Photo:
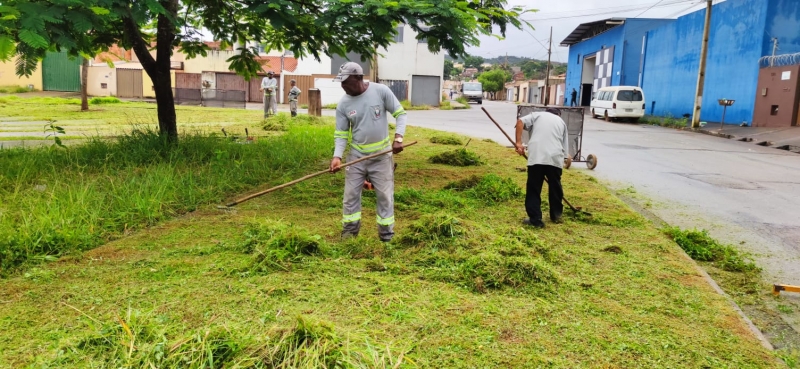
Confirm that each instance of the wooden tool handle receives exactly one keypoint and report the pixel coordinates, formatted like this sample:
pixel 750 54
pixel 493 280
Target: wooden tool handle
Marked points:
pixel 312 175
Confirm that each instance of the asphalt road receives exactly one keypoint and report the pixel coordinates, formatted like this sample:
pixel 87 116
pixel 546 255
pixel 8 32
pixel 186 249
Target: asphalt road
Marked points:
pixel 744 194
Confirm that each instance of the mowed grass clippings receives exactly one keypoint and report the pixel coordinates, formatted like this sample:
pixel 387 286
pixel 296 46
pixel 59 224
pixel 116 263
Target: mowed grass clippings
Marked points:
pixel 463 284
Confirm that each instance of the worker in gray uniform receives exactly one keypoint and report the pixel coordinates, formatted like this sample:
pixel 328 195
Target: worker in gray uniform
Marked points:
pixel 269 85
pixel 361 116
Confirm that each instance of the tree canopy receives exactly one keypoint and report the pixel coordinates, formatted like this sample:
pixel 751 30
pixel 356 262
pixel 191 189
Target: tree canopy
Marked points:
pixel 471 61
pixel 493 80
pixel 28 28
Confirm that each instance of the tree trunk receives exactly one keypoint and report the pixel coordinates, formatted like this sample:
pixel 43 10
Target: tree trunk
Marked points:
pixel 167 121
pixel 84 85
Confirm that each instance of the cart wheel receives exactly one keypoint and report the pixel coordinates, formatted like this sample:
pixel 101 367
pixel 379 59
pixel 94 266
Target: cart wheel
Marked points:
pixel 567 163
pixel 591 161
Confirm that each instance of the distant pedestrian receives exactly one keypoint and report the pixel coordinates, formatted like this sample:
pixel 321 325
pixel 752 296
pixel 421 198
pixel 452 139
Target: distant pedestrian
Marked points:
pixel 269 85
pixel 293 94
pixel 547 147
pixel 574 98
pixel 451 94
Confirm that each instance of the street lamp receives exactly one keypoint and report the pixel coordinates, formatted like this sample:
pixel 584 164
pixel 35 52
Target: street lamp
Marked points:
pixel 725 103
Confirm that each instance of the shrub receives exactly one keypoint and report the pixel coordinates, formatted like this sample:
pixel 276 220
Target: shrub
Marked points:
pixel 459 158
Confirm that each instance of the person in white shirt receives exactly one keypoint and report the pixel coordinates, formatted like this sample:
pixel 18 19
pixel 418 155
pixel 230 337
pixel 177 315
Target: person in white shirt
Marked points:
pixel 269 85
pixel 547 148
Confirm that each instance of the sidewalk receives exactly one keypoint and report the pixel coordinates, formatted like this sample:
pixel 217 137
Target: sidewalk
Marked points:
pixel 785 138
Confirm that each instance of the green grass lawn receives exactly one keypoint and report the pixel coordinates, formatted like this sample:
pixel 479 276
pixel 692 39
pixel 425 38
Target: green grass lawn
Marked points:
pixel 142 270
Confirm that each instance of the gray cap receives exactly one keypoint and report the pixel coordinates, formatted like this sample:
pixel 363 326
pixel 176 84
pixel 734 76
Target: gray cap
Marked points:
pixel 270 73
pixel 348 69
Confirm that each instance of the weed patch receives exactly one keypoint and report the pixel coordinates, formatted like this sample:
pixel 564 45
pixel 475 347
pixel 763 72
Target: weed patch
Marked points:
pixel 408 106
pixel 445 105
pixel 463 100
pixel 446 140
pixel 701 247
pixel 459 158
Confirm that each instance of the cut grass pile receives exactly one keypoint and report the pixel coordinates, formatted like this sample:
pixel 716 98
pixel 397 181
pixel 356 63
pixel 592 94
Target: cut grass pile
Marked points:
pixel 447 140
pixel 104 100
pixel 458 158
pixel 463 285
pixel 282 121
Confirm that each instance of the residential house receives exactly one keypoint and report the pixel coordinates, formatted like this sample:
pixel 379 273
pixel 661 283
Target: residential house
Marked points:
pixel 56 72
pixel 469 73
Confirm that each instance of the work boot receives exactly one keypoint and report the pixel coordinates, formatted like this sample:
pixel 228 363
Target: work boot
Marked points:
pixel 537 224
pixel 386 239
pixel 347 235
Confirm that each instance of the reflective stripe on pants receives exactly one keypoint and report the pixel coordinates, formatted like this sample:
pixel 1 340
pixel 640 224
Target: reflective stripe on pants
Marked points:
pixel 380 172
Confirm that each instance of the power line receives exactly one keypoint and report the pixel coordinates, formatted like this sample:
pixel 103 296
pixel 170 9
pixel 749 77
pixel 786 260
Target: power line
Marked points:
pixel 651 7
pixel 608 11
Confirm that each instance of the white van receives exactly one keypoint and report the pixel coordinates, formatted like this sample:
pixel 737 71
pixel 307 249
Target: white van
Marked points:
pixel 619 102
pixel 473 91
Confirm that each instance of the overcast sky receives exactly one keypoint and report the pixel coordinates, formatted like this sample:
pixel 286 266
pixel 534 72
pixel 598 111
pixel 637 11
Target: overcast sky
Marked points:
pixel 565 15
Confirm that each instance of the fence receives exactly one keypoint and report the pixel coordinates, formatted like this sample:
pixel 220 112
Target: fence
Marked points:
pixel 211 97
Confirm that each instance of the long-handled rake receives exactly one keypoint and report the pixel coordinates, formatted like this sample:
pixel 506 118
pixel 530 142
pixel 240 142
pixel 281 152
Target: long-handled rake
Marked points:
pixel 312 175
pixel 573 208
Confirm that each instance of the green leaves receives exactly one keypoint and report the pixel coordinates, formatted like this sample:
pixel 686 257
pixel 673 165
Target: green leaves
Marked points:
pixel 33 39
pixel 100 11
pixel 7 48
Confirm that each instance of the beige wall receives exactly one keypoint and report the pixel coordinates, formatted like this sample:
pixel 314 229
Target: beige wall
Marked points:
pixel 100 73
pixel 8 77
pixel 214 62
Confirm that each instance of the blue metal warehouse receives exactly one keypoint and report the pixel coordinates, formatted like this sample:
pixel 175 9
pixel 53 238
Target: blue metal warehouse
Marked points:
pixel 742 31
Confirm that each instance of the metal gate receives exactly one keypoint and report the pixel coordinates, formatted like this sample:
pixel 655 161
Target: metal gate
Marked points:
pixel 60 73
pixel 255 86
pixel 233 82
pixel 129 83
pixel 425 90
pixel 399 88
pixel 188 88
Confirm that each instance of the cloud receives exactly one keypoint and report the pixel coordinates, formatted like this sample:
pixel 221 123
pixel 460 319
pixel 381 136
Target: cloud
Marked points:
pixel 564 16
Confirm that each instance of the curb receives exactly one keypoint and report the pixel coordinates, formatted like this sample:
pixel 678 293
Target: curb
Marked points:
pixel 658 221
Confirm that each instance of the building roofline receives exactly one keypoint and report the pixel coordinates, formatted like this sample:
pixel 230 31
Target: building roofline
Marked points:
pixel 591 29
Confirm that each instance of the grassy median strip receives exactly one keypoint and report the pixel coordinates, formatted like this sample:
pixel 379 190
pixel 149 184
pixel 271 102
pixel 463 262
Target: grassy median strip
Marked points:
pixel 270 284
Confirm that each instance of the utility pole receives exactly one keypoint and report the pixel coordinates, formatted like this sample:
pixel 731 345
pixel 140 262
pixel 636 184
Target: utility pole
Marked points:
pixel 774 51
pixel 547 75
pixel 701 75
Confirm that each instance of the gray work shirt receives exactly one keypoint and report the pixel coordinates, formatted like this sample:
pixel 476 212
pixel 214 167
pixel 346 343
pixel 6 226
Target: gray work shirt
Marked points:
pixel 549 139
pixel 363 119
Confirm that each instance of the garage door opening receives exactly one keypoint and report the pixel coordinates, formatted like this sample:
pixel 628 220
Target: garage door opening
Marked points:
pixel 587 80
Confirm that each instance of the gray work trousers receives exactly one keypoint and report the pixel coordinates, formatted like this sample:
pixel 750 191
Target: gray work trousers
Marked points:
pixel 293 106
pixel 270 103
pixel 380 172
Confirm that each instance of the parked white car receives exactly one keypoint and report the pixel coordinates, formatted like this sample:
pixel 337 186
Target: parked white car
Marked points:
pixel 625 102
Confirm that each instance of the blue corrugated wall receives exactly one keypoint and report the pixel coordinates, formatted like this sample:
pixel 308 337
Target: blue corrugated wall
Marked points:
pixel 627 41
pixel 738 39
pixel 635 29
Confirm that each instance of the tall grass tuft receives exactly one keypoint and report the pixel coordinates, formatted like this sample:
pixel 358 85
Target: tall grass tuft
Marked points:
pixel 53 202
pixel 700 246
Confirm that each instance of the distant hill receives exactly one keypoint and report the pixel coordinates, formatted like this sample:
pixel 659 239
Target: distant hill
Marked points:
pixel 512 60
